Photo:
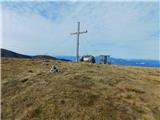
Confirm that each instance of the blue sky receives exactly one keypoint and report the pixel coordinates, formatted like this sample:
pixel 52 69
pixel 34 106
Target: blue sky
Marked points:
pixel 121 29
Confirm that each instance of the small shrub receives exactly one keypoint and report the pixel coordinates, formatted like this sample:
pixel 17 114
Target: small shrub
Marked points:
pixel 36 113
pixel 30 71
pixel 24 80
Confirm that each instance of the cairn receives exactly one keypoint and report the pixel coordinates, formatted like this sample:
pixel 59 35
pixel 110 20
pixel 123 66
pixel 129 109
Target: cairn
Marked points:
pixel 54 69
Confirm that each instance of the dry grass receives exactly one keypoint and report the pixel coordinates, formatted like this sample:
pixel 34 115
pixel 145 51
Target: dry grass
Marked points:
pixel 80 91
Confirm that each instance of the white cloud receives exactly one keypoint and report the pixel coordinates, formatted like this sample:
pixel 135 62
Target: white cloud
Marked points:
pixel 34 34
pixel 122 29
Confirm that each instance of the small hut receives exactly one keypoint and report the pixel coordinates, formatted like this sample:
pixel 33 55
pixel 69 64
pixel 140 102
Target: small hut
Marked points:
pixel 88 58
pixel 105 59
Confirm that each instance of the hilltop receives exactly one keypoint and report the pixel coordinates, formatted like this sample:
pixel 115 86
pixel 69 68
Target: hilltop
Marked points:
pixel 11 54
pixel 8 53
pixel 80 91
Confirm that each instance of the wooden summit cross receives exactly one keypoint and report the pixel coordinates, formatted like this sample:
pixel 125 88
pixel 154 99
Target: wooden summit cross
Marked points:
pixel 78 33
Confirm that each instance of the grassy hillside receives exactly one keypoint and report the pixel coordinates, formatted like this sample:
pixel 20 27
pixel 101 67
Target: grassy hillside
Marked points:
pixel 80 91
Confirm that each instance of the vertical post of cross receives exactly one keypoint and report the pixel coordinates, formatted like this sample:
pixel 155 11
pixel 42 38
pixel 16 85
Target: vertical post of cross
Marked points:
pixel 77 52
pixel 77 47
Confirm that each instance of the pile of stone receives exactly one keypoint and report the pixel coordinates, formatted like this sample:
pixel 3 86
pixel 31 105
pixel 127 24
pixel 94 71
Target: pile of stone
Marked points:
pixel 54 69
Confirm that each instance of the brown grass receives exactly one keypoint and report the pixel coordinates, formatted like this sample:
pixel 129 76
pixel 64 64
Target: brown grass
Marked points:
pixel 81 91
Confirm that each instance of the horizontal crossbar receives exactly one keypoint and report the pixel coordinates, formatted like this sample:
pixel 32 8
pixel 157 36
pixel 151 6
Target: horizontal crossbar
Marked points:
pixel 79 32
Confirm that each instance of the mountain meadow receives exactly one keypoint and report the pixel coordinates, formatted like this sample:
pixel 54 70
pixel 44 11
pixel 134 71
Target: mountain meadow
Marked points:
pixel 79 91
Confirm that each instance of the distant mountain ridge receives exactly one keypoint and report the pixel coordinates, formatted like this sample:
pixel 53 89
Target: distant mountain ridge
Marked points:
pixel 120 61
pixel 44 57
pixel 8 53
pixel 117 61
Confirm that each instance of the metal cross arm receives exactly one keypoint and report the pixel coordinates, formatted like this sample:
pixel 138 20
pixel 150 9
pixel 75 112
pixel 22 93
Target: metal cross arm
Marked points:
pixel 79 32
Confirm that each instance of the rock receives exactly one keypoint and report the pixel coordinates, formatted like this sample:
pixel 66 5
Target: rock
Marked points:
pixel 88 58
pixel 54 69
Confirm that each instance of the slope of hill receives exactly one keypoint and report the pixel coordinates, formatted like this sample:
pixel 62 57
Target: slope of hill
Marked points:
pixel 44 57
pixel 11 54
pixel 80 91
pixel 8 53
